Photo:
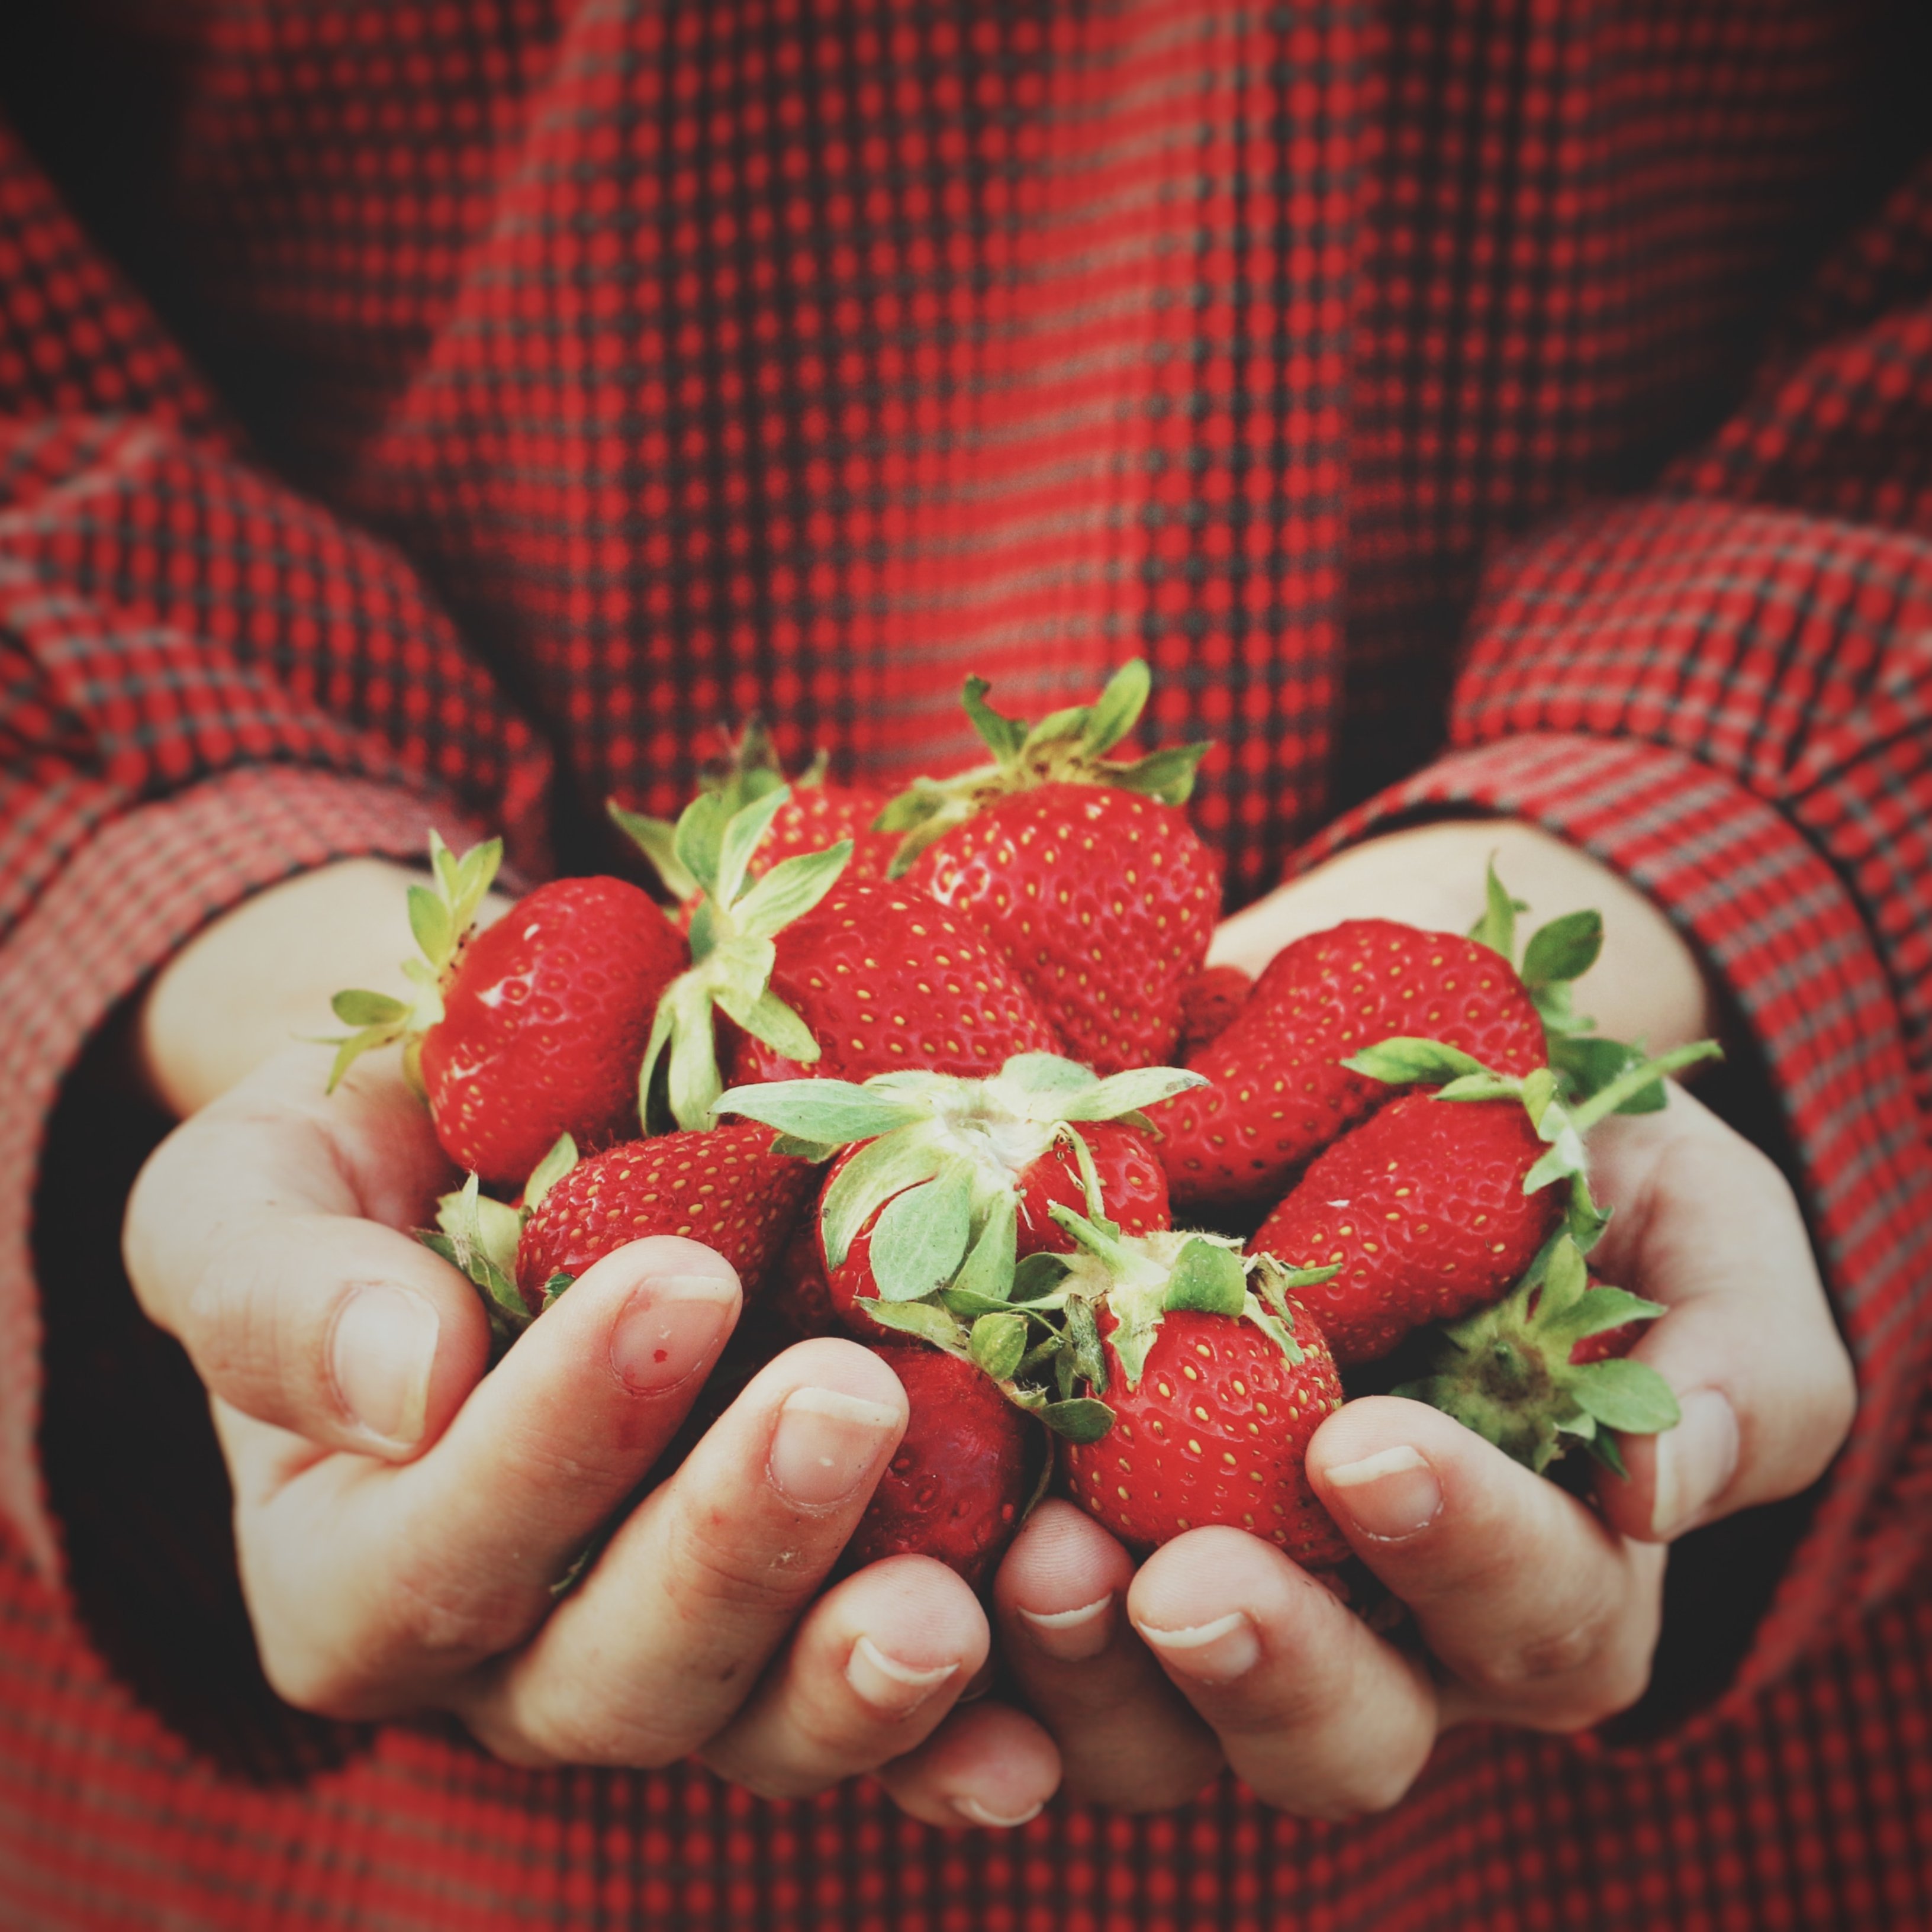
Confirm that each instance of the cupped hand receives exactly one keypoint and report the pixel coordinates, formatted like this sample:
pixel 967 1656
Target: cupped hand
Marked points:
pixel 1528 1607
pixel 402 1517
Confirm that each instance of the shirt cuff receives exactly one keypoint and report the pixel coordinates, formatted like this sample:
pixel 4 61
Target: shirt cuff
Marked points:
pixel 1775 923
pixel 141 887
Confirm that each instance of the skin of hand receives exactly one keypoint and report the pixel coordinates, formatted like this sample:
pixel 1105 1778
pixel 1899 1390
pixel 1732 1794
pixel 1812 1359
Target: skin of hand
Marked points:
pixel 1536 1610
pixel 401 1516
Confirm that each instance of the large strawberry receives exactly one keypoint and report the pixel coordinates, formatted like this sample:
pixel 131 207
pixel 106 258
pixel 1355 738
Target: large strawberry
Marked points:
pixel 1437 1204
pixel 815 975
pixel 1545 1369
pixel 949 1182
pixel 1083 868
pixel 958 1484
pixel 1216 1380
pixel 817 814
pixel 1277 1091
pixel 724 1187
pixel 530 1028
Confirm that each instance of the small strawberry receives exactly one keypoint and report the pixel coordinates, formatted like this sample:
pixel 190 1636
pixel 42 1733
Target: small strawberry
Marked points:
pixel 1438 1203
pixel 817 815
pixel 1216 1380
pixel 1277 1091
pixel 815 975
pixel 1544 1369
pixel 957 1485
pixel 949 1182
pixel 1083 869
pixel 531 1028
pixel 723 1186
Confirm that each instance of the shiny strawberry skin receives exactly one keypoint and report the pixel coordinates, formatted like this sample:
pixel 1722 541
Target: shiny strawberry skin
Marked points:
pixel 723 1187
pixel 1105 901
pixel 545 1017
pixel 886 979
pixel 1216 1431
pixel 957 1483
pixel 1132 1184
pixel 1277 1093
pixel 1423 1210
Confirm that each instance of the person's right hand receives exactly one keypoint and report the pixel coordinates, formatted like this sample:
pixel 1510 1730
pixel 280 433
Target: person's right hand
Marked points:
pixel 401 1517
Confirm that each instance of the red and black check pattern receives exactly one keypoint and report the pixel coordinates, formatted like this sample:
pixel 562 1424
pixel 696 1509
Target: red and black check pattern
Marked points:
pixel 447 407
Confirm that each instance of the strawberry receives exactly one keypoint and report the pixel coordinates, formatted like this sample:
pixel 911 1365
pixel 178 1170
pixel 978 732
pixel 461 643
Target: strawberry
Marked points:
pixel 815 816
pixel 948 1183
pixel 531 1028
pixel 957 1485
pixel 1083 869
pixel 1215 1387
pixel 724 1187
pixel 816 975
pixel 1277 1091
pixel 1545 1369
pixel 1436 1204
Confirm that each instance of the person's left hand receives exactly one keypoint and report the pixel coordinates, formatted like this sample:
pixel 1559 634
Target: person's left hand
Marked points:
pixel 1534 1609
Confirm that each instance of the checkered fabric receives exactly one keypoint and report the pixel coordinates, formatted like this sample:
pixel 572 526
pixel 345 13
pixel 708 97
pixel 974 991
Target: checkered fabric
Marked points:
pixel 418 410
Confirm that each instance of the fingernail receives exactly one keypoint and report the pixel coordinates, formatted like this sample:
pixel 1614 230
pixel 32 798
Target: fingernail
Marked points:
pixel 827 1444
pixel 1072 1635
pixel 1216 1653
pixel 974 1813
pixel 888 1685
pixel 1695 1461
pixel 664 1334
pixel 380 1355
pixel 1391 1494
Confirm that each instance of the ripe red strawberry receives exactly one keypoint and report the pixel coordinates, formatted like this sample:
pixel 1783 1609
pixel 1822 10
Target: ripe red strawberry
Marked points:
pixel 798 1293
pixel 1215 1387
pixel 1083 869
pixel 1278 1092
pixel 532 1028
pixel 1611 1346
pixel 884 979
pixel 948 1183
pixel 1422 1210
pixel 958 1484
pixel 724 1187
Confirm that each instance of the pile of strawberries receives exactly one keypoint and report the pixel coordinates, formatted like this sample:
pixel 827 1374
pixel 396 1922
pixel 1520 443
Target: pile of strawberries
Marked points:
pixel 912 1067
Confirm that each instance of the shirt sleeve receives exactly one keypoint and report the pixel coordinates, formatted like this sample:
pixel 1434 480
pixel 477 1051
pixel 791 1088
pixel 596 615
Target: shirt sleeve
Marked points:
pixel 207 683
pixel 1724 690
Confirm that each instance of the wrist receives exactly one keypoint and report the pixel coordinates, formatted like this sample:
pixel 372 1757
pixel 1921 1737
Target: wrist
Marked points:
pixel 263 974
pixel 1649 984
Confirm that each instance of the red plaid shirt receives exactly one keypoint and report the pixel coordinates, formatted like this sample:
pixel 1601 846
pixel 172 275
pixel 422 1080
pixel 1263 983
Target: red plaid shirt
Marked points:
pixel 411 409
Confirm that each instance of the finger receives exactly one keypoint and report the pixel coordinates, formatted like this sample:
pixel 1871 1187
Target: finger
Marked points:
pixel 1317 1713
pixel 665 1640
pixel 875 1665
pixel 265 1234
pixel 373 1585
pixel 1533 1603
pixel 1127 1739
pixel 1705 1223
pixel 988 1766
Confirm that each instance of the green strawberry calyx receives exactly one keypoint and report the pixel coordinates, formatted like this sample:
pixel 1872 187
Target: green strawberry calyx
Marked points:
pixel 478 1236
pixel 1556 956
pixel 1506 1372
pixel 750 771
pixel 1559 1120
pixel 942 1158
pixel 442 916
pixel 1068 746
pixel 1142 1280
pixel 732 953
